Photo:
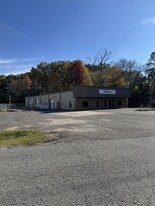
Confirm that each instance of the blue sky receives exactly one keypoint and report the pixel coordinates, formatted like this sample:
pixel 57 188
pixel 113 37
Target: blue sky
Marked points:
pixel 32 31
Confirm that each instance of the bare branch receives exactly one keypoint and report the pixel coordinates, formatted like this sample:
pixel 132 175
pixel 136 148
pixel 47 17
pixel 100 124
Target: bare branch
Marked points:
pixel 100 59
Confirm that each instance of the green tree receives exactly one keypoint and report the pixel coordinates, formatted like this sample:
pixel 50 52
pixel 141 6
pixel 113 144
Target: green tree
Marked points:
pixel 135 79
pixel 150 72
pixel 3 89
pixel 17 89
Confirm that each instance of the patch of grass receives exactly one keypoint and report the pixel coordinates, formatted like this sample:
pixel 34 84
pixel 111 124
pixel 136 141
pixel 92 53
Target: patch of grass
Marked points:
pixel 21 138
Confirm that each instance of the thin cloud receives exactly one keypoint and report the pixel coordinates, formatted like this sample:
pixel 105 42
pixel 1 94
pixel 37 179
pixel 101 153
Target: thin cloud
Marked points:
pixel 18 65
pixel 17 60
pixel 147 21
pixel 29 59
pixel 6 61
pixel 15 69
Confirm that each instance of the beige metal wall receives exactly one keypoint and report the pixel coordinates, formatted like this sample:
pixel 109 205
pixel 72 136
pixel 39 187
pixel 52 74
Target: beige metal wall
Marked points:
pixel 55 96
pixel 26 102
pixel 32 102
pixel 44 99
pixel 63 100
pixel 67 100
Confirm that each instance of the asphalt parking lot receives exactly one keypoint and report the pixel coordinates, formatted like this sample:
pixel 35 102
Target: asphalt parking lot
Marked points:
pixel 104 157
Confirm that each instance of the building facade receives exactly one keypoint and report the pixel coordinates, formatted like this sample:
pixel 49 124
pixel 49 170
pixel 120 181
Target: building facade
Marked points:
pixel 81 98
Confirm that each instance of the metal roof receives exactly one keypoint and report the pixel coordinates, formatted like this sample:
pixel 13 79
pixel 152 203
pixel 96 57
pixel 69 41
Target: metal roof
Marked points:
pixel 90 92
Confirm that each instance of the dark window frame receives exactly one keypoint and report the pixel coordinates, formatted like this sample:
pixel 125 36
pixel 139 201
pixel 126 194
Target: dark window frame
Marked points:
pixel 70 104
pixel 84 104
pixel 120 103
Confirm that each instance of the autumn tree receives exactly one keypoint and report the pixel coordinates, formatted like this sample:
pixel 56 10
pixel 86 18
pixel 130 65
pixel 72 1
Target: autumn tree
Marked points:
pixel 65 74
pixel 112 77
pixel 56 77
pixel 27 82
pixel 78 73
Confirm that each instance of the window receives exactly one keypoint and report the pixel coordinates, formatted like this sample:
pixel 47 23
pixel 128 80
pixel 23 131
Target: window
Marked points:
pixel 120 103
pixel 84 104
pixel 105 103
pixel 58 105
pixel 97 104
pixel 70 104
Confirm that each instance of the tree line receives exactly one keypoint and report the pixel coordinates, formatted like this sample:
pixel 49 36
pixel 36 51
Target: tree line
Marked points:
pixel 98 71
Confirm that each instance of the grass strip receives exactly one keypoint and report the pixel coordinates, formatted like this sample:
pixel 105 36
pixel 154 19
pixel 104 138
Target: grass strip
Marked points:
pixel 21 138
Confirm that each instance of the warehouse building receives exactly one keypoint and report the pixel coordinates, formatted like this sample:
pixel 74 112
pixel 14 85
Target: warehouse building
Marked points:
pixel 81 98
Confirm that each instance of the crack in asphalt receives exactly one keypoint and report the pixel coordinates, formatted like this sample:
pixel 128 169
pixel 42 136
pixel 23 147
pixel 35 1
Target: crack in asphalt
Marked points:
pixel 89 171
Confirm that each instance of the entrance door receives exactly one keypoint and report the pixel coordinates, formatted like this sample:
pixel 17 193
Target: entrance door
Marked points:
pixel 37 103
pixel 30 103
pixel 113 104
pixel 53 104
